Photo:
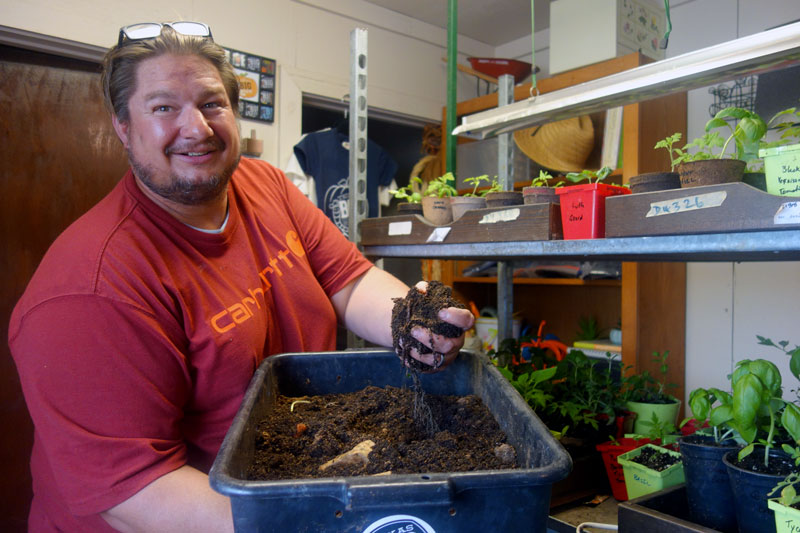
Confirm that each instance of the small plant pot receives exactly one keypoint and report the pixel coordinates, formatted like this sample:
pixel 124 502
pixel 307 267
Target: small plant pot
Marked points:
pixel 710 172
pixel 655 181
pixel 462 204
pixel 540 195
pixel 782 169
pixel 641 480
pixel 666 412
pixel 610 451
pixel 756 179
pixel 787 519
pixel 503 198
pixel 437 210
pixel 708 489
pixel 583 209
pixel 408 208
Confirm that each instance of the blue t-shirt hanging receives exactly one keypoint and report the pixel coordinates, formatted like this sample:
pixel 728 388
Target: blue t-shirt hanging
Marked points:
pixel 325 156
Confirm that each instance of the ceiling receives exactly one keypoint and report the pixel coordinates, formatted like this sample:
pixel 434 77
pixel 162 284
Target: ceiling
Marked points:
pixel 494 22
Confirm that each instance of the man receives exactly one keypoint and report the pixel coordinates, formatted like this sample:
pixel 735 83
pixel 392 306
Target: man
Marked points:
pixel 141 328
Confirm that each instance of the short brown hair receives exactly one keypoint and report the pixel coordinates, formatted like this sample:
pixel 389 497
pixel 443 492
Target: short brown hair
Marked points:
pixel 121 61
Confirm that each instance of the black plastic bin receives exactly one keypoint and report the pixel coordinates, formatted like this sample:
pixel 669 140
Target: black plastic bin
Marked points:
pixel 490 500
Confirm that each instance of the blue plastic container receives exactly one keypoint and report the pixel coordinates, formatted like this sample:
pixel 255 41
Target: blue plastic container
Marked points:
pixel 495 500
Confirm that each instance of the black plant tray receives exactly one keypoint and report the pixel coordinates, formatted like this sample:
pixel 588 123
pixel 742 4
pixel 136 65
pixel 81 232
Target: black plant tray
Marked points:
pixel 532 222
pixel 731 207
pixel 666 511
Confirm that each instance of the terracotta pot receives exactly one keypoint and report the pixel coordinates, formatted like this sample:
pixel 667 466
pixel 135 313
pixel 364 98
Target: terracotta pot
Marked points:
pixel 462 204
pixel 655 181
pixel 540 195
pixel 503 198
pixel 710 172
pixel 437 210
pixel 409 209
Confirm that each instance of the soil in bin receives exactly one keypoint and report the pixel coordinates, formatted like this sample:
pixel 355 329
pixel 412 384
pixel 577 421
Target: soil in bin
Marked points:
pixel 655 459
pixel 299 435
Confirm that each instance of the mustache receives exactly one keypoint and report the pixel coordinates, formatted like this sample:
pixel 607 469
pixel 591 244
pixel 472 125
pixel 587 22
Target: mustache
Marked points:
pixel 209 145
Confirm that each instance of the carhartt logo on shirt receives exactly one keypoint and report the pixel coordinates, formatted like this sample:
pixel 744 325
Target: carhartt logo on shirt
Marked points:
pixel 244 309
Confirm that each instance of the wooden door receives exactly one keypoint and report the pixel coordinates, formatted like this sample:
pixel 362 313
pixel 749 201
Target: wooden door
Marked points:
pixel 58 156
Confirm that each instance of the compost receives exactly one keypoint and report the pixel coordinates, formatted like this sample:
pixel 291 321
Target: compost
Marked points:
pixel 655 459
pixel 373 431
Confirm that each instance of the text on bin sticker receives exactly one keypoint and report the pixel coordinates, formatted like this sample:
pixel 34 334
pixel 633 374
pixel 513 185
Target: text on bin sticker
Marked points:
pixel 438 235
pixel 788 213
pixel 687 203
pixel 506 215
pixel 400 228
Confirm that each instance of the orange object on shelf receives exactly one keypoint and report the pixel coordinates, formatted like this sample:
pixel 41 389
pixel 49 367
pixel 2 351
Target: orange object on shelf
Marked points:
pixel 496 67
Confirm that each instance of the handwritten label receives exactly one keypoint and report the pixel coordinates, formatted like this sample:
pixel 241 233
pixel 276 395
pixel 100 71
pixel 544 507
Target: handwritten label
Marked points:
pixel 438 235
pixel 788 213
pixel 789 179
pixel 687 203
pixel 400 228
pixel 506 215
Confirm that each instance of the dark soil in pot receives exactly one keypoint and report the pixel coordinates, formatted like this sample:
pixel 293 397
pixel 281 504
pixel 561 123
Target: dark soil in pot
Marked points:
pixel 655 459
pixel 777 466
pixel 300 435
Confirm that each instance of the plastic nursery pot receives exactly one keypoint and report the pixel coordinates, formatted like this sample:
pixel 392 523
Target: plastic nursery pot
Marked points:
pixel 540 195
pixel 787 519
pixel 654 181
pixel 640 480
pixel 666 412
pixel 409 208
pixel 583 209
pixel 782 169
pixel 462 204
pixel 503 198
pixel 750 490
pixel 708 489
pixel 710 172
pixel 437 210
pixel 610 451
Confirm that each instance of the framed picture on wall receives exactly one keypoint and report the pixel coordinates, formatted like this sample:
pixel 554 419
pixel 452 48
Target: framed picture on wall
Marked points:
pixel 256 76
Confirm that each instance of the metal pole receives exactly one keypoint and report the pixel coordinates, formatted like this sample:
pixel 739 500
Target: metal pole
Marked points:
pixel 452 70
pixel 505 176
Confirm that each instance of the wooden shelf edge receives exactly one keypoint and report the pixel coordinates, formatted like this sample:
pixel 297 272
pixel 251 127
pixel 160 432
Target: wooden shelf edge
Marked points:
pixel 543 281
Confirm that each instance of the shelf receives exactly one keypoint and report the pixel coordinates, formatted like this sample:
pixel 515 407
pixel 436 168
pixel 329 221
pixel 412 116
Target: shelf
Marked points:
pixel 772 245
pixel 543 281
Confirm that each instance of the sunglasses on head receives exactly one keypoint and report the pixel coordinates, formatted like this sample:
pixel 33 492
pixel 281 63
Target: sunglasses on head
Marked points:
pixel 149 30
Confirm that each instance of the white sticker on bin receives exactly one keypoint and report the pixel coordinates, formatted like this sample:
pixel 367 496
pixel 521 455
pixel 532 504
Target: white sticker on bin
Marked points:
pixel 506 215
pixel 438 235
pixel 687 203
pixel 400 228
pixel 398 523
pixel 788 213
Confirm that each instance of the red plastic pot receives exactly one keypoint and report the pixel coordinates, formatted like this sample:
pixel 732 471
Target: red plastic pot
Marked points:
pixel 583 209
pixel 610 451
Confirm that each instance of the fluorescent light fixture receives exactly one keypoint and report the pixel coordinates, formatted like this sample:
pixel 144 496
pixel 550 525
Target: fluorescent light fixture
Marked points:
pixel 769 50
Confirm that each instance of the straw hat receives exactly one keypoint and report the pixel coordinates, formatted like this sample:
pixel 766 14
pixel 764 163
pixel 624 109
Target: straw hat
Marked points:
pixel 561 146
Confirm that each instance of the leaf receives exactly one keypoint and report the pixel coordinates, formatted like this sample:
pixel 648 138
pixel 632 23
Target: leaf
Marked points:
pixel 790 420
pixel 768 373
pixel 747 395
pixel 744 452
pixel 700 406
pixel 734 112
pixel 721 415
pixel 716 123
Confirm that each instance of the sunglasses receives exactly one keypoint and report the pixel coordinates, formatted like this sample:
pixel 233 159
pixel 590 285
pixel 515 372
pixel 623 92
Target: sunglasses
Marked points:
pixel 150 30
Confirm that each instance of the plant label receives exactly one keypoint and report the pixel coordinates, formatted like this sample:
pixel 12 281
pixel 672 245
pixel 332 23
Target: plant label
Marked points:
pixel 687 203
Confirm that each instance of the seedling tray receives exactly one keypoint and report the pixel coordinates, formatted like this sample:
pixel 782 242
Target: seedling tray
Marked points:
pixel 531 222
pixel 731 207
pixel 666 511
pixel 480 501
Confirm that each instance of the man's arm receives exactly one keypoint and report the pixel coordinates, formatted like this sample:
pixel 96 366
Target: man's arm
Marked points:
pixel 365 306
pixel 179 501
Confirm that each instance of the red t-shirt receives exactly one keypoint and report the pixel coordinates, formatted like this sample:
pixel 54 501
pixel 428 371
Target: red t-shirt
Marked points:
pixel 137 336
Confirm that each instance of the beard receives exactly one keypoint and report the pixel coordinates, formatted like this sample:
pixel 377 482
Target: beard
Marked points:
pixel 182 190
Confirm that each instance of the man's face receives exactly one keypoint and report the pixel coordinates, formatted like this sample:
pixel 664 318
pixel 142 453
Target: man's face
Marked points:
pixel 182 138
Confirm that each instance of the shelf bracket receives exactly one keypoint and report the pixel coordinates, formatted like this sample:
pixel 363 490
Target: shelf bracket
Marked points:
pixel 505 173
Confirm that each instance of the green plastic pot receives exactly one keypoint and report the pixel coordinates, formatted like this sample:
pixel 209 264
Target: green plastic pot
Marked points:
pixel 644 412
pixel 782 169
pixel 787 519
pixel 641 480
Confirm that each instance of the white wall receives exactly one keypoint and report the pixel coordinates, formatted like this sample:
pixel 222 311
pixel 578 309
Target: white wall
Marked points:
pixel 728 304
pixel 310 39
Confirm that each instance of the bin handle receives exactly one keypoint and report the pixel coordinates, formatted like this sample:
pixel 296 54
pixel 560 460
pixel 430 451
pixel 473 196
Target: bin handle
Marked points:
pixel 423 493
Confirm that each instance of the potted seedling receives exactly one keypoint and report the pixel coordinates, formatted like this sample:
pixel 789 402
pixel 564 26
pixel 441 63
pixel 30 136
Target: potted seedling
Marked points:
pixel 436 200
pixel 786 505
pixel 413 198
pixel 473 199
pixel 782 160
pixel 650 468
pixel 659 181
pixel 540 191
pixel 648 397
pixel 497 197
pixel 583 208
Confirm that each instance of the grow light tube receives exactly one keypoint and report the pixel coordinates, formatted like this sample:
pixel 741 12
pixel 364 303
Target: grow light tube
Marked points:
pixel 769 50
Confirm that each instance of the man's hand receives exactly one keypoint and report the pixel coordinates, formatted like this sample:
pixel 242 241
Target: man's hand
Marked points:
pixel 445 349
